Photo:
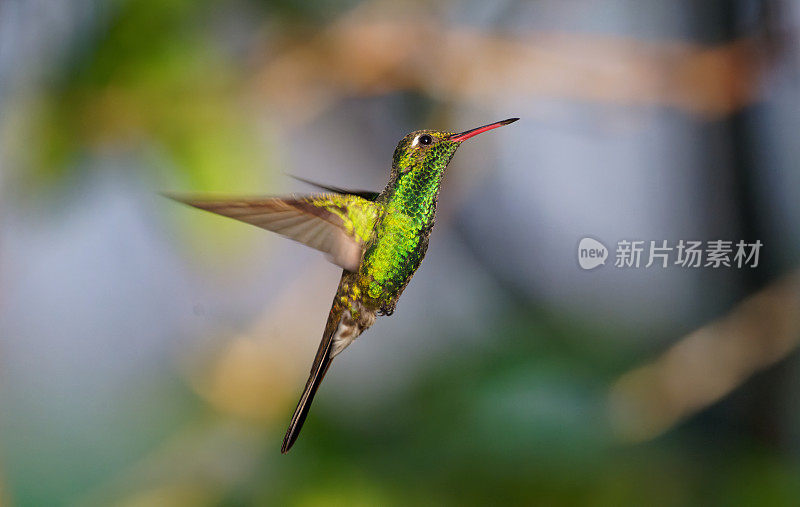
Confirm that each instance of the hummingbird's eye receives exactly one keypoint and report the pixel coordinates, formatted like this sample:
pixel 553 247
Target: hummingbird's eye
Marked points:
pixel 425 139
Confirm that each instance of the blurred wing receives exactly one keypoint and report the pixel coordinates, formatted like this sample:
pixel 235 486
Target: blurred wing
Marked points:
pixel 364 194
pixel 334 224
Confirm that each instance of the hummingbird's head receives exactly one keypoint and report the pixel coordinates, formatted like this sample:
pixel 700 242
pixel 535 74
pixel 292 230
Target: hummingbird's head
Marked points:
pixel 431 150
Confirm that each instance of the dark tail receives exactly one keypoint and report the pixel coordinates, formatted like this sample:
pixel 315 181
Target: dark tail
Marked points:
pixel 318 370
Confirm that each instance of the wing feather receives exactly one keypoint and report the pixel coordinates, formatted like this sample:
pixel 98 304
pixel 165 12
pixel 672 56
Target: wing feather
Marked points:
pixel 324 222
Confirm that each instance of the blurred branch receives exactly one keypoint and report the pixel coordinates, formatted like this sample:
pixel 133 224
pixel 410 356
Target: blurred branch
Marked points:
pixel 707 364
pixel 378 48
pixel 183 94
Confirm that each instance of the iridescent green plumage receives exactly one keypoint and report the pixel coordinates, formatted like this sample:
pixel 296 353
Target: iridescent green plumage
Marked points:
pixel 408 209
pixel 378 239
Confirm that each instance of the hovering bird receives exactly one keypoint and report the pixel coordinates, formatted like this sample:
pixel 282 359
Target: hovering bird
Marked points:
pixel 378 239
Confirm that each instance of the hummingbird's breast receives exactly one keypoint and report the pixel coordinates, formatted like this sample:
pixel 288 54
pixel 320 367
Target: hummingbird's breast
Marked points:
pixel 392 257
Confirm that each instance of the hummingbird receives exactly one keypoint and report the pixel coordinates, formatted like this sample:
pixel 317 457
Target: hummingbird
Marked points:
pixel 378 239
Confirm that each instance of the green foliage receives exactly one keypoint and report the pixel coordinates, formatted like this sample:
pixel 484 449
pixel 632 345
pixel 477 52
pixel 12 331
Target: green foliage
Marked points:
pixel 151 79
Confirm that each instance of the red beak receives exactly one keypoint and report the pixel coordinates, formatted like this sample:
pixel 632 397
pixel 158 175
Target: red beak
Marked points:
pixel 474 132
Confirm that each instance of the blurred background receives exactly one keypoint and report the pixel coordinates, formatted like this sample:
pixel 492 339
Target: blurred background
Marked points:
pixel 151 354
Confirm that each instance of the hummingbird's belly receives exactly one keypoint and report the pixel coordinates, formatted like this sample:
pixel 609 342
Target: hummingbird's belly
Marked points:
pixel 392 258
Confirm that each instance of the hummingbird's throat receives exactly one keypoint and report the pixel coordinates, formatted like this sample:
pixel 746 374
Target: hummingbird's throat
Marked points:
pixel 417 191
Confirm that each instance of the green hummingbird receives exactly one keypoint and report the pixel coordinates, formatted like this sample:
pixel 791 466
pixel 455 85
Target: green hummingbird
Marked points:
pixel 377 238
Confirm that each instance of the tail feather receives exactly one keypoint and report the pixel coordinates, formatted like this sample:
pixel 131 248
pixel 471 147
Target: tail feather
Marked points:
pixel 318 370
